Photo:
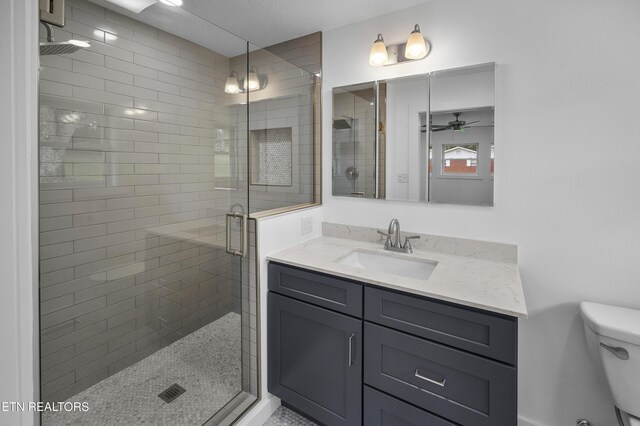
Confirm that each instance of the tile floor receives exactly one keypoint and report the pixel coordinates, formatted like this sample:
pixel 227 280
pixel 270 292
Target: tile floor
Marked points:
pixel 207 363
pixel 285 417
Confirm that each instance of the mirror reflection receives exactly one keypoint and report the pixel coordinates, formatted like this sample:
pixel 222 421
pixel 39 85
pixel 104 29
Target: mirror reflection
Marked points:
pixel 354 141
pixel 424 138
pixel 461 148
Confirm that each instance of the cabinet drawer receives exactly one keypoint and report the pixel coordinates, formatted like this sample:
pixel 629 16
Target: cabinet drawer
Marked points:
pixel 381 409
pixel 484 334
pixel 456 385
pixel 322 290
pixel 315 360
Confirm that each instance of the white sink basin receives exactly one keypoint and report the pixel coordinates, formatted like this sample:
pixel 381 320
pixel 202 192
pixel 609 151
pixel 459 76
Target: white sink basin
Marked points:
pixel 419 269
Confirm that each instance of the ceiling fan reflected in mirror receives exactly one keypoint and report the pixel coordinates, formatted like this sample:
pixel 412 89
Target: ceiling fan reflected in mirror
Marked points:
pixel 456 125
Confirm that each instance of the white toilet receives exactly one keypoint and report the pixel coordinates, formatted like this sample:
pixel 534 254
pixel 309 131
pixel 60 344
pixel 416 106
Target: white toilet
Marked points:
pixel 613 338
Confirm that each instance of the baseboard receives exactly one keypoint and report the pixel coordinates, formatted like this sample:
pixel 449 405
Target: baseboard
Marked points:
pixel 261 412
pixel 523 421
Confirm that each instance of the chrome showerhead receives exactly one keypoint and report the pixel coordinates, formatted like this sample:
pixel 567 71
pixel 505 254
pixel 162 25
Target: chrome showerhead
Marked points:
pixel 52 47
pixel 62 48
pixel 343 123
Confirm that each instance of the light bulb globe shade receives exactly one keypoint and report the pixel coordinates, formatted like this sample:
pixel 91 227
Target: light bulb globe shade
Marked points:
pixel 252 82
pixel 172 3
pixel 416 47
pixel 378 55
pixel 232 85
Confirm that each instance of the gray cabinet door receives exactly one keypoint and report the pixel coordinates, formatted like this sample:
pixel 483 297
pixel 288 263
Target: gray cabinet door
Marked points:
pixel 315 360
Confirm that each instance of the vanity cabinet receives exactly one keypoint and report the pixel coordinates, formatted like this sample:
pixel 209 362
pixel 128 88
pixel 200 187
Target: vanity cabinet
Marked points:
pixel 412 360
pixel 315 354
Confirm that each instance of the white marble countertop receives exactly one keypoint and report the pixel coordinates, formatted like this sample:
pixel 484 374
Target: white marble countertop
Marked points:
pixel 485 284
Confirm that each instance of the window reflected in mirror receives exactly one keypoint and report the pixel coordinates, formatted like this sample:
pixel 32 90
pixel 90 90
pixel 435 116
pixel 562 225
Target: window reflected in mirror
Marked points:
pixel 460 159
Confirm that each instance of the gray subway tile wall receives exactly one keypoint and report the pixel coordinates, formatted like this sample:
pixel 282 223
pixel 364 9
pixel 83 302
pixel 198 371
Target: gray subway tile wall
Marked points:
pixel 142 155
pixel 132 214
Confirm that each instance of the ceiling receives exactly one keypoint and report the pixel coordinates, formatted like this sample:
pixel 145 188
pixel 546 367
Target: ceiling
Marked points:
pixel 267 22
pixel 261 22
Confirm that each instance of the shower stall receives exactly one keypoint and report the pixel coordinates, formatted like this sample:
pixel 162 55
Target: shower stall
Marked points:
pixel 160 136
pixel 356 139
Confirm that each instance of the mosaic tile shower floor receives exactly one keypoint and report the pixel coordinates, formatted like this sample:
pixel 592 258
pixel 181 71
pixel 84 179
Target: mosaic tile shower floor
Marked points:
pixel 207 363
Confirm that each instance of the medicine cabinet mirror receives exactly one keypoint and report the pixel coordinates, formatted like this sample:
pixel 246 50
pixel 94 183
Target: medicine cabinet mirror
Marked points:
pixel 424 138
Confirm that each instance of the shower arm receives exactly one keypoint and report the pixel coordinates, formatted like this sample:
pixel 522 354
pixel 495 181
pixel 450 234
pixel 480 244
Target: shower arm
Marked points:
pixel 50 37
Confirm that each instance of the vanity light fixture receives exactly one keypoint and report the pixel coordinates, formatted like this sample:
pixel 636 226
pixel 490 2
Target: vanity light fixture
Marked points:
pixel 378 55
pixel 232 85
pixel 414 49
pixel 254 81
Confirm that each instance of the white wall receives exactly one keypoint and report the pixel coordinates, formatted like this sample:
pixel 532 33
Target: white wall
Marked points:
pixel 274 234
pixel 18 212
pixel 406 99
pixel 567 71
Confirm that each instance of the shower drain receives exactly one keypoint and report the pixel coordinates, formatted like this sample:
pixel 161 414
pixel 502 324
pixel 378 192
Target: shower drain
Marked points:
pixel 170 395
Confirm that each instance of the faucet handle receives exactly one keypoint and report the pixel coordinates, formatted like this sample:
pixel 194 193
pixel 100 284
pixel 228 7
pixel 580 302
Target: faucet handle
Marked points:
pixel 388 241
pixel 407 242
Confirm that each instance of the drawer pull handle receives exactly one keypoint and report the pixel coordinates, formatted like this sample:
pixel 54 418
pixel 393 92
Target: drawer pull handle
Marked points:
pixel 435 382
pixel 351 349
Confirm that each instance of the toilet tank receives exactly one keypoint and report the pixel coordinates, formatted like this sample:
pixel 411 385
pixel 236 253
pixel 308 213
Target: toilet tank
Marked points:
pixel 618 328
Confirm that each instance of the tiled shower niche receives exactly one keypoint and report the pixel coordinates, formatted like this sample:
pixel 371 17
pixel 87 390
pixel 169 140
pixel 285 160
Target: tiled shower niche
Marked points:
pixel 271 153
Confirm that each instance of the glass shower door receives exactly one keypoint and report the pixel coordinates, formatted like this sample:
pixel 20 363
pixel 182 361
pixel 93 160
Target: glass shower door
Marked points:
pixel 144 254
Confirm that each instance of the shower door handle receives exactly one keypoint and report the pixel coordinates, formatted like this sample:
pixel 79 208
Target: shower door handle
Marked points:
pixel 242 251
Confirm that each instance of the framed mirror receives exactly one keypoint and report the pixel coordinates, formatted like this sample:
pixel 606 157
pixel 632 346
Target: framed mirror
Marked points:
pixel 423 138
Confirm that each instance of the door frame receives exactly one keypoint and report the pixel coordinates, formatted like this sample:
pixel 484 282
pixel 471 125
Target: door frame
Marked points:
pixel 19 224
